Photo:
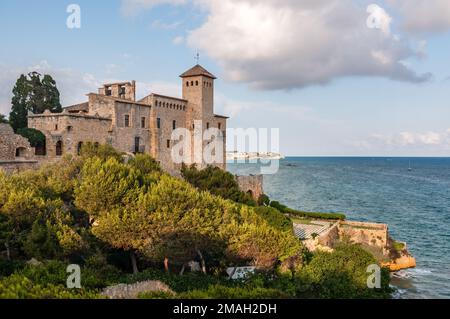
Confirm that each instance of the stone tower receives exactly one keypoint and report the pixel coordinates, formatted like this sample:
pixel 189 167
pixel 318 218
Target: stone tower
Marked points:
pixel 198 89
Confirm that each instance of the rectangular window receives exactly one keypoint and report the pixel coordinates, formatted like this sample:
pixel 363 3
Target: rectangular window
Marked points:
pixel 207 126
pixel 168 143
pixel 220 126
pixel 174 125
pixel 158 122
pixel 127 121
pixel 143 122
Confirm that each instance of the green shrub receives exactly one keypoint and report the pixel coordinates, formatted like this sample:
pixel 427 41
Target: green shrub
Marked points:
pixel 35 137
pixel 218 182
pixel 224 292
pixel 274 218
pixel 330 216
pixel 341 274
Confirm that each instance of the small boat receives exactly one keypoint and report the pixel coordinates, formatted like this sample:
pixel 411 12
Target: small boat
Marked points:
pixel 409 167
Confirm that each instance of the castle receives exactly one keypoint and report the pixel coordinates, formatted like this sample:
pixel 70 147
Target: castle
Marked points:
pixel 113 116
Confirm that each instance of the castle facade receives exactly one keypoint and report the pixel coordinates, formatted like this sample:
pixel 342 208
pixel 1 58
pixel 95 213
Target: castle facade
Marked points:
pixel 113 116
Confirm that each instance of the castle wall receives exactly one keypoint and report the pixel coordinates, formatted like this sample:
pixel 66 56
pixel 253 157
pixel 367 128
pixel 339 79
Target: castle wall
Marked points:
pixel 370 234
pixel 70 130
pixel 251 184
pixel 15 151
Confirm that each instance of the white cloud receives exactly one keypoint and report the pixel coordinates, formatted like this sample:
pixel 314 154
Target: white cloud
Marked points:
pixel 427 142
pixel 292 44
pixel 158 24
pixel 423 16
pixel 72 84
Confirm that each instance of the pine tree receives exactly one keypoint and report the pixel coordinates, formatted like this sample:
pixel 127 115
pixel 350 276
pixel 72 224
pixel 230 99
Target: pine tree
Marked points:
pixel 31 93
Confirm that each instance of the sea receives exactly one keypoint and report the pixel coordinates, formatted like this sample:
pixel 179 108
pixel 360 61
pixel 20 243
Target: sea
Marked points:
pixel 411 195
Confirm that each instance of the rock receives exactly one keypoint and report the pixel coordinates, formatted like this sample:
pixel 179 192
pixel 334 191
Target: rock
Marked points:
pixel 34 262
pixel 124 291
pixel 404 262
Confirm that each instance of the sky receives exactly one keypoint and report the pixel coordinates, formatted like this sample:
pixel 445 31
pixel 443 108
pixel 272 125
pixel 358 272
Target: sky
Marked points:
pixel 336 77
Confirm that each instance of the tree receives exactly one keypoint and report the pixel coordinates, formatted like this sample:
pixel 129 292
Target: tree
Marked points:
pixel 33 93
pixel 3 119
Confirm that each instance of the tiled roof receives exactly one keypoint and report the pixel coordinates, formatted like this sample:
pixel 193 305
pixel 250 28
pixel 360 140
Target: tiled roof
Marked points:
pixel 197 70
pixel 78 107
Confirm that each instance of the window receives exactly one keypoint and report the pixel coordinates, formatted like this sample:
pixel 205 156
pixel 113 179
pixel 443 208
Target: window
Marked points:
pixel 69 129
pixel 143 122
pixel 108 92
pixel 192 83
pixel 207 126
pixel 158 122
pixel 21 151
pixel 79 147
pixel 187 83
pixel 127 121
pixel 220 126
pixel 56 127
pixel 136 144
pixel 174 124
pixel 58 150
pixel 168 143
pixel 196 83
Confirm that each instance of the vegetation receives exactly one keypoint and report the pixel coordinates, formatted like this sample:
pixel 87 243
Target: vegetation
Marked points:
pixel 35 137
pixel 35 93
pixel 295 213
pixel 218 182
pixel 114 218
pixel 3 119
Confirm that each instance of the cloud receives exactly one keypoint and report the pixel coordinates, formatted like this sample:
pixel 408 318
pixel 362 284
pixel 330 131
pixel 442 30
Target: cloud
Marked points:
pixel 158 24
pixel 133 7
pixel 293 44
pixel 423 16
pixel 72 84
pixel 424 142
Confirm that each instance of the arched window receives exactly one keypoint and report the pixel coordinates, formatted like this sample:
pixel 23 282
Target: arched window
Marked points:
pixel 187 83
pixel 59 148
pixel 196 83
pixel 79 147
pixel 192 83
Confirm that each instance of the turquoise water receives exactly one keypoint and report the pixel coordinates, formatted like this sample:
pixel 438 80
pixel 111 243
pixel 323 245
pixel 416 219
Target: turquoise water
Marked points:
pixel 415 203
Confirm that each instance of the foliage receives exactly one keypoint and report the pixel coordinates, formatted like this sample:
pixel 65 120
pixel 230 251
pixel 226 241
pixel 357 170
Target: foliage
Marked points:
pixel 264 200
pixel 342 274
pixel 35 137
pixel 156 295
pixel 35 93
pixel 20 287
pixel 274 218
pixel 224 292
pixel 102 151
pixel 330 216
pixel 3 119
pixel 217 182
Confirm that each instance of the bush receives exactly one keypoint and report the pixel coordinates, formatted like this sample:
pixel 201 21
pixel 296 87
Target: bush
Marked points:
pixel 156 295
pixel 218 182
pixel 274 218
pixel 330 216
pixel 341 274
pixel 21 287
pixel 35 137
pixel 224 292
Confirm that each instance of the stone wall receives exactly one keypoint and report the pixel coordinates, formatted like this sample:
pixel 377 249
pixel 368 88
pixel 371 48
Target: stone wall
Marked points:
pixel 16 166
pixel 252 184
pixel 370 234
pixel 13 146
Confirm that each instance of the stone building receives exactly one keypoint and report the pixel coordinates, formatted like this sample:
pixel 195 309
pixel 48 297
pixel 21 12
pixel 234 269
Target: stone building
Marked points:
pixel 15 150
pixel 113 116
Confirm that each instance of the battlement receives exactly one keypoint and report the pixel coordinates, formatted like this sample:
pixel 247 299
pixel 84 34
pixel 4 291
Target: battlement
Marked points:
pixel 121 90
